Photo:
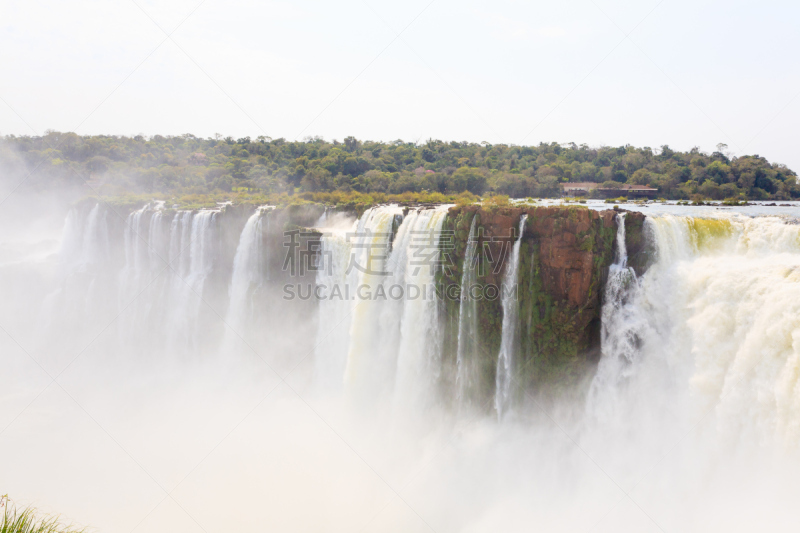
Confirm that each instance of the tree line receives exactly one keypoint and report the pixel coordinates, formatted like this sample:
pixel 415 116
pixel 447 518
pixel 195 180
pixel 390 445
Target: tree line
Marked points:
pixel 186 164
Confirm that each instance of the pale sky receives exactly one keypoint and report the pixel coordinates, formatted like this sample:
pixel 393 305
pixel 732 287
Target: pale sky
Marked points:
pixel 647 73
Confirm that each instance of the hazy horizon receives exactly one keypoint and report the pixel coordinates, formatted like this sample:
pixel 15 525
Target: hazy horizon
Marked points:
pixel 165 365
pixel 594 72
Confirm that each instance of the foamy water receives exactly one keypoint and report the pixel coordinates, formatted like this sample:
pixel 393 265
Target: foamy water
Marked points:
pixel 332 421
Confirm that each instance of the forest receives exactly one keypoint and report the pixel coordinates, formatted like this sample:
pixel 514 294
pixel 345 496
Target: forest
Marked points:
pixel 217 166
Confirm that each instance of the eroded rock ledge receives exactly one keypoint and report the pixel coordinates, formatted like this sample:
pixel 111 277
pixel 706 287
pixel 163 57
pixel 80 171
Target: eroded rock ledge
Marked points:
pixel 565 255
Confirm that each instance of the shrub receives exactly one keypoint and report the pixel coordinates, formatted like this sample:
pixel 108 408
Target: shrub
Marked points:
pixel 734 202
pixel 494 203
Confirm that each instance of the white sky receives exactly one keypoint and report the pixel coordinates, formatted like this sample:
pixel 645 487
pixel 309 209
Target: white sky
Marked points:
pixel 688 73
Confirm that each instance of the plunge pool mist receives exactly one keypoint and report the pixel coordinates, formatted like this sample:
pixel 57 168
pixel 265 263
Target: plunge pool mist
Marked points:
pixel 154 379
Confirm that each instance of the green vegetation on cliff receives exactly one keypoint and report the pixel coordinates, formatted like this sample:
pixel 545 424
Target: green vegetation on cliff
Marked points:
pixel 564 262
pixel 564 259
pixel 188 165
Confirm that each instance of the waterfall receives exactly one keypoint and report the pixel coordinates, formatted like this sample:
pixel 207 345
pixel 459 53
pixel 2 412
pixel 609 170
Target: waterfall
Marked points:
pixel 419 354
pixel 621 325
pixel 717 307
pixel 693 408
pixel 505 359
pixel 82 291
pixel 161 283
pixel 156 247
pixel 379 326
pixel 621 280
pixel 185 296
pixel 621 253
pixel 94 247
pixel 467 351
pixel 335 306
pixel 717 317
pixel 135 275
pixel 84 243
pixel 248 274
pixel 370 354
pixel 135 253
pixel 179 242
pixel 739 284
pixel 201 254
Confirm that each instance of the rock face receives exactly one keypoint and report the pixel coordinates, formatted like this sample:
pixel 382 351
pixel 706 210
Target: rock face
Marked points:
pixel 565 254
pixel 640 248
pixel 568 252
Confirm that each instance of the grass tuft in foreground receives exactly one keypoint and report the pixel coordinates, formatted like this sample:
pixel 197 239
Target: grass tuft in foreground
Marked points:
pixel 28 521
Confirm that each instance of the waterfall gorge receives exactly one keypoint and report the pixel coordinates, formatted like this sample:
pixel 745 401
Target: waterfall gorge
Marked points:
pixel 505 360
pixel 695 387
pixel 467 320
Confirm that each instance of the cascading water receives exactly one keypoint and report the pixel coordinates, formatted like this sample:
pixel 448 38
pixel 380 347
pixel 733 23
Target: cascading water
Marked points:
pixel 467 350
pixel 389 331
pixel 505 359
pixel 82 294
pixel 85 244
pixel 371 357
pixel 180 233
pixel 694 410
pixel 379 342
pixel 715 321
pixel 741 290
pixel 135 254
pixel 621 321
pixel 186 288
pixel 249 273
pixel 622 328
pixel 95 238
pixel 335 307
pixel 156 292
pixel 200 250
pixel 419 356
